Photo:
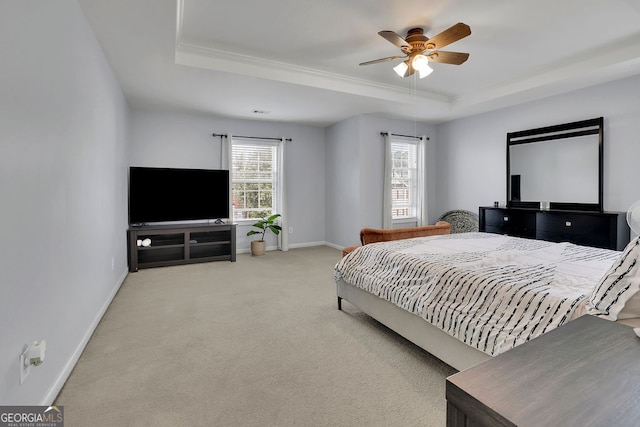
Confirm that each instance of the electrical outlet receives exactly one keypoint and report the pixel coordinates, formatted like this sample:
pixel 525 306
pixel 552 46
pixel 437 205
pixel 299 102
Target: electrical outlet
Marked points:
pixel 25 365
pixel 31 355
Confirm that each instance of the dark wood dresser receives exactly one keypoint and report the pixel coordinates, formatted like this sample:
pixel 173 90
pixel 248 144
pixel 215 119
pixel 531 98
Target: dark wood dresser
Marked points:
pixel 607 230
pixel 585 373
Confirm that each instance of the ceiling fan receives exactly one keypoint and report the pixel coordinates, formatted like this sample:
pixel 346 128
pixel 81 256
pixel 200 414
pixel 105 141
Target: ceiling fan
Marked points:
pixel 419 49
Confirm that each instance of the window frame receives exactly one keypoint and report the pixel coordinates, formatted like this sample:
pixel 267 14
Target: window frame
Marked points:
pixel 277 189
pixel 414 173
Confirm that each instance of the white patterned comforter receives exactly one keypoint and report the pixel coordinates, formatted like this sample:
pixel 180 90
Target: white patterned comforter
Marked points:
pixel 490 291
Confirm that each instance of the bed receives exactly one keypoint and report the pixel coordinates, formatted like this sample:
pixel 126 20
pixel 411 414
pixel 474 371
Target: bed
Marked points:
pixel 467 297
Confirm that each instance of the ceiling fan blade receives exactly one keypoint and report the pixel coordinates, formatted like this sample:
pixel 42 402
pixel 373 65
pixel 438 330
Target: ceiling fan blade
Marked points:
pixel 395 39
pixel 448 36
pixel 455 58
pixel 375 61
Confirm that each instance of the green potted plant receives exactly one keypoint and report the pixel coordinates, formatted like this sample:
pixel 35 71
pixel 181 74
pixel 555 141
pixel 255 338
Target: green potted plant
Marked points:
pixel 258 246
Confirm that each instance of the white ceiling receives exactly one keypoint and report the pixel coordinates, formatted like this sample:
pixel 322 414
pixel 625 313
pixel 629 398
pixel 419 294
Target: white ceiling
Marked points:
pixel 298 60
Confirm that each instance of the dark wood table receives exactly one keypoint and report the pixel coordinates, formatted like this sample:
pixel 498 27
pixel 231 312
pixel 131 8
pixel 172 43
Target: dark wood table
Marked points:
pixel 585 373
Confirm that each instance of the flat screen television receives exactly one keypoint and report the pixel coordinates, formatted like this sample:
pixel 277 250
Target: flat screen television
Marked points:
pixel 171 194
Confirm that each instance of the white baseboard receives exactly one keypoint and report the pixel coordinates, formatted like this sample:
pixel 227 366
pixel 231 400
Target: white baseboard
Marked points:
pixel 334 246
pixel 291 246
pixel 57 385
pixel 306 245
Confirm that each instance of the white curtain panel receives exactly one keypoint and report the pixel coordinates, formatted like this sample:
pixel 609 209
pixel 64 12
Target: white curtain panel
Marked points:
pixel 283 237
pixel 422 212
pixel 225 164
pixel 387 221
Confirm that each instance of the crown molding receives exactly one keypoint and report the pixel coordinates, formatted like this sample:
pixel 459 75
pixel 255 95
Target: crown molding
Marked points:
pixel 220 60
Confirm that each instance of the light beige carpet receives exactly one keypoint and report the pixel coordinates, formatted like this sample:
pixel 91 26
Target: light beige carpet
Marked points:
pixel 259 342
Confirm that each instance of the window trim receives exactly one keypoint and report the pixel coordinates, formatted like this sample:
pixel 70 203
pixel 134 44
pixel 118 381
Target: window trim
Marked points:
pixel 419 187
pixel 278 186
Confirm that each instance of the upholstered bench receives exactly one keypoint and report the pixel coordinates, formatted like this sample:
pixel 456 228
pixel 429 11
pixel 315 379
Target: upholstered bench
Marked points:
pixel 373 235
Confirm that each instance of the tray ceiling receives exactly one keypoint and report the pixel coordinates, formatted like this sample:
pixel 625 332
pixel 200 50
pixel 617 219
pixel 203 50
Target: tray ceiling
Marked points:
pixel 298 61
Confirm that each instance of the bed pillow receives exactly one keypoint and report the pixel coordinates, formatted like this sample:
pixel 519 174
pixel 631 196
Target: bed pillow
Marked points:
pixel 618 286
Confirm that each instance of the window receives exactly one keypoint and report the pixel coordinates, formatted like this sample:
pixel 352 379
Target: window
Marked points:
pixel 254 178
pixel 404 180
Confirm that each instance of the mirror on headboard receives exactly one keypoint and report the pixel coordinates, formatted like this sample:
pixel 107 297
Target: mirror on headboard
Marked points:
pixel 556 167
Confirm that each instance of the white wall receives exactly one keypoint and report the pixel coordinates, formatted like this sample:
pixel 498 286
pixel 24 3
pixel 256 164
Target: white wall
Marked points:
pixel 343 183
pixel 355 172
pixel 169 139
pixel 63 190
pixel 471 152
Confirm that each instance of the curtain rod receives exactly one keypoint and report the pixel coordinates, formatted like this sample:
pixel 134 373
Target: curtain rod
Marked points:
pixel 254 137
pixel 404 136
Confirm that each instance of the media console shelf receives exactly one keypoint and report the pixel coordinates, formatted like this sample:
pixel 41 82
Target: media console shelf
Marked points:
pixel 166 245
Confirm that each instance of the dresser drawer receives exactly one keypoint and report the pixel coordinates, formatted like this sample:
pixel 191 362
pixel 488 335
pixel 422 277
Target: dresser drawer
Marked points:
pixel 572 223
pixel 497 218
pixel 581 229
pixel 505 221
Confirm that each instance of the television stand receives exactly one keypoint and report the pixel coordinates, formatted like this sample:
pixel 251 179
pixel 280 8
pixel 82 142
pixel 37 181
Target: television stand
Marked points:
pixel 165 245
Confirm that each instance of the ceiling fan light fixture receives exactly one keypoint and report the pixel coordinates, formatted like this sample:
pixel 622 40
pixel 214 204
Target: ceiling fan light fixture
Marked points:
pixel 401 68
pixel 421 64
pixel 424 72
pixel 419 61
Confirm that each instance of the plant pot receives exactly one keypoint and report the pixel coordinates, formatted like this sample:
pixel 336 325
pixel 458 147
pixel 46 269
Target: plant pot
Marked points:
pixel 258 247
